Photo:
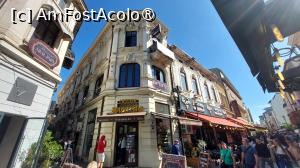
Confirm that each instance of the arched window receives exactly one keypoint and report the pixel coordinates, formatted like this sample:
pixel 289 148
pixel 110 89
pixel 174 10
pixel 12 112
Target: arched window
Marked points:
pixel 158 74
pixel 194 86
pixel 129 75
pixel 206 92
pixel 98 86
pixel 214 93
pixel 183 81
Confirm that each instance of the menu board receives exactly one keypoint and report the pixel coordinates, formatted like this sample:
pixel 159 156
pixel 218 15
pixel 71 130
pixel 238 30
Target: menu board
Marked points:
pixel 131 151
pixel 204 160
pixel 173 161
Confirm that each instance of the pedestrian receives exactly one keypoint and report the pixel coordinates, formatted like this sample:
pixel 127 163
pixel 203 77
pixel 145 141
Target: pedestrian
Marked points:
pixel 226 156
pixel 122 147
pixel 281 156
pixel 263 153
pixel 293 149
pixel 249 157
pixel 100 151
pixel 176 148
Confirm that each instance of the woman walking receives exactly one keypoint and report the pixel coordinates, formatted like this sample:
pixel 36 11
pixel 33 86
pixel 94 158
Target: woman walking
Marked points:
pixel 227 157
pixel 100 151
pixel 281 156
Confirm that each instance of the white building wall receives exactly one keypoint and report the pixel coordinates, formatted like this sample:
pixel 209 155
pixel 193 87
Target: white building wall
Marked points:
pixel 279 112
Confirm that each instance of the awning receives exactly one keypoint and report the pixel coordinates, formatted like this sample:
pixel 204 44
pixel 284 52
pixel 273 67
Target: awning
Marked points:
pixel 123 117
pixel 241 121
pixel 213 120
pixel 182 120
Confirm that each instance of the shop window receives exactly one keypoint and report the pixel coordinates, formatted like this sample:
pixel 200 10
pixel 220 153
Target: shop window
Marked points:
pixel 183 82
pixel 215 94
pixel 129 75
pixel 163 130
pixel 76 99
pixel 90 125
pixel 158 74
pixel 130 39
pixel 85 94
pixel 206 92
pixel 194 86
pixel 162 108
pixel 47 31
pixel 98 86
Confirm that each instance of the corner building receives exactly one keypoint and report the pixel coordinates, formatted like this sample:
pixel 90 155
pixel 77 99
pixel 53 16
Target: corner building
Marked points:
pixel 31 57
pixel 124 86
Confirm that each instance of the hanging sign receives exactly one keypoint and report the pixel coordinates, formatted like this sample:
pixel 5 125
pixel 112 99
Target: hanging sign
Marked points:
pixel 43 53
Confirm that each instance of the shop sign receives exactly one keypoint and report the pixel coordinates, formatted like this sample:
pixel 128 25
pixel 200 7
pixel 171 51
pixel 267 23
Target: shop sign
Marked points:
pixel 218 112
pixel 127 106
pixel 188 104
pixel 174 161
pixel 43 53
pixel 120 119
pixel 204 160
pixel 159 85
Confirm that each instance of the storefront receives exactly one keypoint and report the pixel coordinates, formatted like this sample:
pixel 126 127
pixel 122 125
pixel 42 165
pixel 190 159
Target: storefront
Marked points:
pixel 126 137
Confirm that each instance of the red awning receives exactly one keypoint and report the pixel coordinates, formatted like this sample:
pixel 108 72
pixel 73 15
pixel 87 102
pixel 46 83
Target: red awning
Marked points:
pixel 213 120
pixel 241 122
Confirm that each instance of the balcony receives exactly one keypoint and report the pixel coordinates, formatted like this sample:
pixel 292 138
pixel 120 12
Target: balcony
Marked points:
pixel 69 59
pixel 158 85
pixel 159 52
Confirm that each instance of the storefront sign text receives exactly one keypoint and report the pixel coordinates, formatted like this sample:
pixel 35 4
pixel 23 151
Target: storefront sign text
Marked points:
pixel 127 106
pixel 43 53
pixel 174 161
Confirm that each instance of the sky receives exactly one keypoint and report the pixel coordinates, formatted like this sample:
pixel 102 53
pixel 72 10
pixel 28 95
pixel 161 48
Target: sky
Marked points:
pixel 195 27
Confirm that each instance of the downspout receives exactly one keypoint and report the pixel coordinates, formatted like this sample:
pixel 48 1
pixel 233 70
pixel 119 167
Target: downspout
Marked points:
pixel 177 107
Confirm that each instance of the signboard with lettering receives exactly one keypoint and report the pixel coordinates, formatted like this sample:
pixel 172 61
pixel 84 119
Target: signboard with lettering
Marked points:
pixel 127 106
pixel 173 161
pixel 160 85
pixel 43 53
pixel 204 159
pixel 190 105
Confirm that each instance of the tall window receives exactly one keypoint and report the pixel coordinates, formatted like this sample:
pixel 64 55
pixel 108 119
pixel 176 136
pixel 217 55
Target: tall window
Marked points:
pixel 130 39
pixel 98 86
pixel 158 74
pixel 183 81
pixel 194 86
pixel 129 75
pixel 214 93
pixel 85 94
pixel 206 91
pixel 47 31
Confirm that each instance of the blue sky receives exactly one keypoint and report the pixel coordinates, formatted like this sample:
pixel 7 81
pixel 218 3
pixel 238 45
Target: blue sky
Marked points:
pixel 195 27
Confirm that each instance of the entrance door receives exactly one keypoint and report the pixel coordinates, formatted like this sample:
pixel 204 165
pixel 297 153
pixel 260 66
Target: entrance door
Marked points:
pixel 126 144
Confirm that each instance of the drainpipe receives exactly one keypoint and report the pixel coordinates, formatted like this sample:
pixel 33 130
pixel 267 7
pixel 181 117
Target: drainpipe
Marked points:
pixel 177 104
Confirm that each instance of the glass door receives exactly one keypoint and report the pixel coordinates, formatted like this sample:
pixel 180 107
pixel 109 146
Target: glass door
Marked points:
pixel 127 144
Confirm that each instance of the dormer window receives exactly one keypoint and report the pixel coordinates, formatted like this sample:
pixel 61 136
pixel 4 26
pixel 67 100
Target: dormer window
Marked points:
pixel 47 31
pixel 131 39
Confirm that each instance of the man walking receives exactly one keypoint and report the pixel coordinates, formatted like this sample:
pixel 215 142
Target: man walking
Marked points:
pixel 249 157
pixel 176 148
pixel 263 153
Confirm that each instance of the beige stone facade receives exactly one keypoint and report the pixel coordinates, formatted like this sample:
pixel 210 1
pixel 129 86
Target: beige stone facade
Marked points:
pixel 104 60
